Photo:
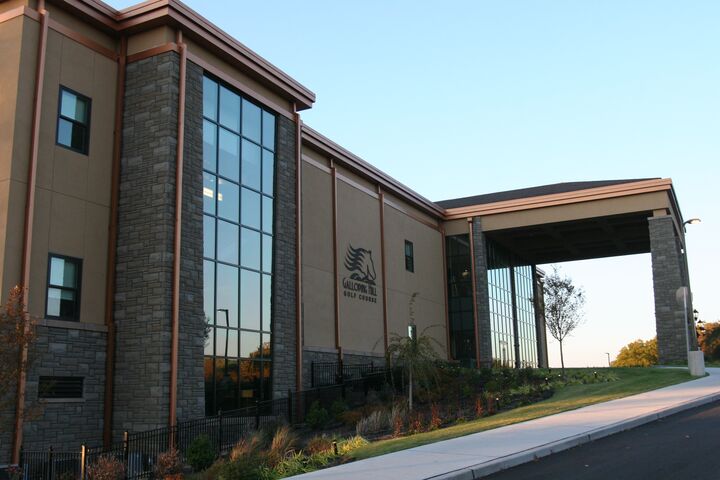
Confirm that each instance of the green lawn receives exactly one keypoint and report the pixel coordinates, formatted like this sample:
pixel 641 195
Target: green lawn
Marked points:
pixel 630 381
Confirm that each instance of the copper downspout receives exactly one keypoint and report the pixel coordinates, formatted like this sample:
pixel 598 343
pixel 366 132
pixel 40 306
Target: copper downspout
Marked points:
pixel 474 291
pixel 298 254
pixel 445 291
pixel 333 172
pixel 178 232
pixel 112 247
pixel 381 197
pixel 29 217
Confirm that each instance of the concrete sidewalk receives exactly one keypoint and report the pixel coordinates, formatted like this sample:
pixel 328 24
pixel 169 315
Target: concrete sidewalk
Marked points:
pixel 474 456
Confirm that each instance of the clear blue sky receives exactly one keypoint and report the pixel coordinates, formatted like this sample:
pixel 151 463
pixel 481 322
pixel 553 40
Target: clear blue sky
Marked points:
pixel 464 97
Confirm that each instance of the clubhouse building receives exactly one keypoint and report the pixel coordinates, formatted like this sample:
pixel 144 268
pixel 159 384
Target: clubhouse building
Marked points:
pixel 187 244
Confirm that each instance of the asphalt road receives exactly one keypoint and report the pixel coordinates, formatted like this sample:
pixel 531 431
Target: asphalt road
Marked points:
pixel 679 447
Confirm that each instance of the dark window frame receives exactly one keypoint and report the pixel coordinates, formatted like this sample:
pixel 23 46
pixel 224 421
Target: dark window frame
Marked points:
pixel 78 282
pixel 409 258
pixel 85 150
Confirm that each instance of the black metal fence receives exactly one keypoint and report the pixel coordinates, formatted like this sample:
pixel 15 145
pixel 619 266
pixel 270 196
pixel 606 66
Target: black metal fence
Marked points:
pixel 334 373
pixel 139 451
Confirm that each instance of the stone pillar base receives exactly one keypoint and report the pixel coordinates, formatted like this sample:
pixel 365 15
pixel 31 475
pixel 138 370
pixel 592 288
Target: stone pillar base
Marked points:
pixel 696 363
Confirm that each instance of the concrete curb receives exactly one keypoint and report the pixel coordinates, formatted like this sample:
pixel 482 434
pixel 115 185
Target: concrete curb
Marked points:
pixel 483 469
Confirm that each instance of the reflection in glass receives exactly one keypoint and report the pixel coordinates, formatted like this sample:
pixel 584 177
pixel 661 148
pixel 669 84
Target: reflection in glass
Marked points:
pixel 229 156
pixel 268 132
pixel 267 213
pixel 250 208
pixel 250 300
pixel 210 92
pixel 229 109
pixel 268 172
pixel 266 302
pixel 249 344
pixel 208 236
pixel 209 189
pixel 209 146
pixel 250 165
pixel 267 254
pixel 227 288
pixel 232 297
pixel 228 200
pixel 227 242
pixel 250 255
pixel 251 121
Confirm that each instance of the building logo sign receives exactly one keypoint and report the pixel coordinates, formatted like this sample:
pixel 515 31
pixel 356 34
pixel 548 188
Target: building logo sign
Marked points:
pixel 361 282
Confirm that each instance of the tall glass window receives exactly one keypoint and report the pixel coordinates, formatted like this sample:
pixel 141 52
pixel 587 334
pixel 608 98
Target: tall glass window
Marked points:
pixel 510 288
pixel 238 183
pixel 501 306
pixel 460 299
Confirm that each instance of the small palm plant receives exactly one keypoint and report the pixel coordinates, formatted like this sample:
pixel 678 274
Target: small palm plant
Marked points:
pixel 415 355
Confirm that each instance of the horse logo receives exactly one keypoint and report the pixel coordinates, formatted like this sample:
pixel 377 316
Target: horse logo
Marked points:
pixel 359 262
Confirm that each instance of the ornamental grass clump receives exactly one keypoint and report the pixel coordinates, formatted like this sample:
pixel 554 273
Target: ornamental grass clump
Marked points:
pixel 169 465
pixel 106 468
pixel 283 444
pixel 376 422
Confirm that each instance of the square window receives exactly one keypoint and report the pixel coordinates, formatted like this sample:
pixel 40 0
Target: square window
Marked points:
pixel 409 256
pixel 73 127
pixel 63 291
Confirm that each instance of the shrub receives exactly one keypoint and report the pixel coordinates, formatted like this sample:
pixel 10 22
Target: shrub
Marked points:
pixel 435 419
pixel 251 467
pixel 337 408
pixel 283 443
pixel 398 415
pixel 479 408
pixel 106 468
pixel 168 463
pixel 318 444
pixel 417 423
pixel 317 417
pixel 351 444
pixel 201 453
pixel 376 422
pixel 351 417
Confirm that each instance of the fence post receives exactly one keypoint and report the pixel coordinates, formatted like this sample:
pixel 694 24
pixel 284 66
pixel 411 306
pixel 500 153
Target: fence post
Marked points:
pixel 312 374
pixel 50 464
pixel 220 432
pixel 126 452
pixel 257 414
pixel 341 376
pixel 83 453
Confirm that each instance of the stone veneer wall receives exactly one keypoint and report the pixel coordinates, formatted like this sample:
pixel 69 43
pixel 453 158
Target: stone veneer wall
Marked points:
pixel 668 267
pixel 143 297
pixel 72 352
pixel 284 259
pixel 482 295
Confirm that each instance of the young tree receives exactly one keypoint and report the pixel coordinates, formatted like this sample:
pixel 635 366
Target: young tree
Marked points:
pixel 17 333
pixel 563 308
pixel 638 354
pixel 415 356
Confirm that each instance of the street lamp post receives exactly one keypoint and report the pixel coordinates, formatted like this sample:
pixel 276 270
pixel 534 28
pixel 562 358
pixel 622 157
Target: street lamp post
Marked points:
pixel 608 355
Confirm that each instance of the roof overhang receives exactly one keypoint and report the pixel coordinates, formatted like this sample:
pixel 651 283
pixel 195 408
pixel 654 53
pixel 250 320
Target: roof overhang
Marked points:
pixel 154 13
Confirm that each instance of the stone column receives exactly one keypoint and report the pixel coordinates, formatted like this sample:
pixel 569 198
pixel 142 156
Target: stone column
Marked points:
pixel 143 295
pixel 669 274
pixel 482 298
pixel 284 305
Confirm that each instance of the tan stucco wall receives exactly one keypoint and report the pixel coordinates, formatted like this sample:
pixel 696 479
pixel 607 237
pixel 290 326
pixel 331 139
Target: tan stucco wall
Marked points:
pixel 358 215
pixel 15 72
pixel 428 279
pixel 456 227
pixel 73 190
pixel 317 258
